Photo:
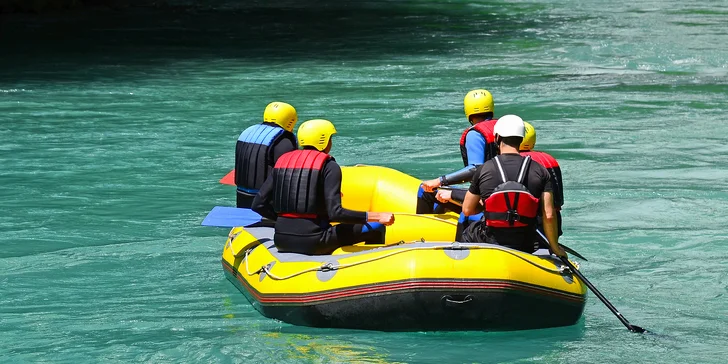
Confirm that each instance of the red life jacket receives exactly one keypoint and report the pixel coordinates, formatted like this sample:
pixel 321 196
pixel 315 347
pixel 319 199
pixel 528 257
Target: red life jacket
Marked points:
pixel 485 128
pixel 296 177
pixel 551 165
pixel 511 204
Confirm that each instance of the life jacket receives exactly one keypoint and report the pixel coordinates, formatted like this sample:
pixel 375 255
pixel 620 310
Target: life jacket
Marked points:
pixel 296 177
pixel 254 155
pixel 485 128
pixel 551 165
pixel 511 205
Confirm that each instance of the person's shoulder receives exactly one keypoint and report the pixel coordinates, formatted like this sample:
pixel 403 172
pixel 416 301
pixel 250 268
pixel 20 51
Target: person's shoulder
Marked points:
pixel 486 167
pixel 331 163
pixel 539 169
pixel 471 131
pixel 251 127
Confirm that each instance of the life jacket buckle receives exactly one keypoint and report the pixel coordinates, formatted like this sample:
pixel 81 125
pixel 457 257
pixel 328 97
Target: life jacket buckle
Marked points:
pixel 512 216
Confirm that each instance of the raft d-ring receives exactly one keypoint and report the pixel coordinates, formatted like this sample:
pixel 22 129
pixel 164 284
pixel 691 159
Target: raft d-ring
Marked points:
pixel 327 267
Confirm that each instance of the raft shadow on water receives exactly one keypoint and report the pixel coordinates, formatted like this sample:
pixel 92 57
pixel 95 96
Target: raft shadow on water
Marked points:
pixel 42 45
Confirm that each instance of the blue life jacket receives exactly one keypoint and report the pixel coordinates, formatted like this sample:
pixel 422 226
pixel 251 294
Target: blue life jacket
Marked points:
pixel 254 155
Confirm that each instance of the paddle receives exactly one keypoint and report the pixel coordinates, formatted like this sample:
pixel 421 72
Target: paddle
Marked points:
pixel 630 327
pixel 229 178
pixel 573 252
pixel 223 216
pixel 566 248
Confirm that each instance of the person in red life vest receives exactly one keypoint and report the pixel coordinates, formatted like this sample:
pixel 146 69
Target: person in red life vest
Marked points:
pixel 513 190
pixel 259 147
pixel 303 196
pixel 548 162
pixel 477 145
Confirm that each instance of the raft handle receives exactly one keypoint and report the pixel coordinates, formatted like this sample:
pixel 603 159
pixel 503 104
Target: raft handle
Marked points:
pixel 457 300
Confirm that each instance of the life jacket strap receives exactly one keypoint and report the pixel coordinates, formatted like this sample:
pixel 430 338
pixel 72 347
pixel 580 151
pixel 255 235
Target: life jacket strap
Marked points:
pixel 511 216
pixel 500 169
pixel 524 167
pixel 294 215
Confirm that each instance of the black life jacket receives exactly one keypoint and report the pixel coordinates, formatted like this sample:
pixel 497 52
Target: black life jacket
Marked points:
pixel 511 205
pixel 254 155
pixel 296 177
pixel 485 128
pixel 551 165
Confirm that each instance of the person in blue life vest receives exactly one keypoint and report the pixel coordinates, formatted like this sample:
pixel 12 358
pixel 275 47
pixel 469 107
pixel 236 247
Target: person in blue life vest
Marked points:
pixel 511 191
pixel 548 162
pixel 477 145
pixel 303 196
pixel 259 147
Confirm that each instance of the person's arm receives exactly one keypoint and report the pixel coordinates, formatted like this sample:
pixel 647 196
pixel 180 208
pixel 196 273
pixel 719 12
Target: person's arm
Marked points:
pixel 283 146
pixel 550 226
pixel 471 204
pixel 463 175
pixel 455 195
pixel 458 195
pixel 336 212
pixel 558 185
pixel 475 147
pixel 332 195
pixel 262 203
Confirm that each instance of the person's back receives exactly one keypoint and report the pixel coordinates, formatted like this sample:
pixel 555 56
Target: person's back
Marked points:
pixel 259 147
pixel 303 195
pixel 491 186
pixel 511 189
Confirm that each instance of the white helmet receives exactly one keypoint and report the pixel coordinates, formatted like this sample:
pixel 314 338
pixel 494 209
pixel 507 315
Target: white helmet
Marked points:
pixel 510 126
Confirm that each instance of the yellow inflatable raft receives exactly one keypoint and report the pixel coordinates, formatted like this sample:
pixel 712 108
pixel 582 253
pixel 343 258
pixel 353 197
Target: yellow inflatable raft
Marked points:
pixel 418 280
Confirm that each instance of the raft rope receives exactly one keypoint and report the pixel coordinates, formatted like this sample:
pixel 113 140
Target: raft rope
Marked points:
pixel 329 266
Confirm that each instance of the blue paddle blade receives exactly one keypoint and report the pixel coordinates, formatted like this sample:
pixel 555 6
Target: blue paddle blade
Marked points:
pixel 223 216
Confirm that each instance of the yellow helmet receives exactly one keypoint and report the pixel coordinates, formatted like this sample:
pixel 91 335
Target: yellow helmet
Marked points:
pixel 478 102
pixel 282 114
pixel 315 133
pixel 529 141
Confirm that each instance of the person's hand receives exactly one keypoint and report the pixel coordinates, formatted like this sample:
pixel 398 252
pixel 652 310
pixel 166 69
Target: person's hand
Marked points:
pixel 430 185
pixel 444 196
pixel 386 218
pixel 560 252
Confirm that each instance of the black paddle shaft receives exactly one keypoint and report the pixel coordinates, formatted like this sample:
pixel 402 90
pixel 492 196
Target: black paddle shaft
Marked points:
pixel 630 327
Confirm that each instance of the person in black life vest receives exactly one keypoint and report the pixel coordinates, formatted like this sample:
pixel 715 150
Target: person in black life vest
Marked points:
pixel 477 145
pixel 513 191
pixel 303 196
pixel 548 162
pixel 259 147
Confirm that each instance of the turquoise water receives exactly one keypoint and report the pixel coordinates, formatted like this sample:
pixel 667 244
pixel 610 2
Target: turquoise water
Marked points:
pixel 117 124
